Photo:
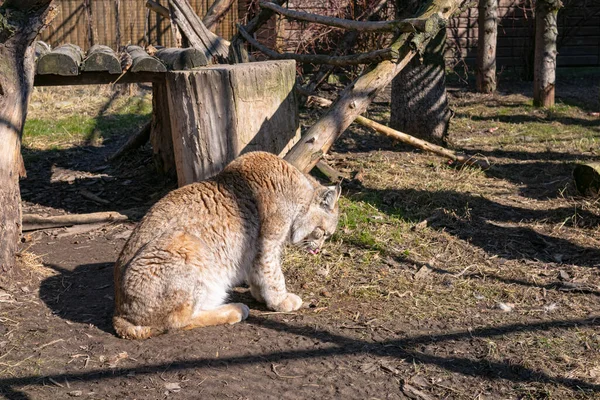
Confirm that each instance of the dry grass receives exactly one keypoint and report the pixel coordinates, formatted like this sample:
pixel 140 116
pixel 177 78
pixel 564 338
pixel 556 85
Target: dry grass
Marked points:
pixel 431 248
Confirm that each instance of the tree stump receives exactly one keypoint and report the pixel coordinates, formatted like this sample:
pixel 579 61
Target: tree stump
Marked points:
pixel 220 112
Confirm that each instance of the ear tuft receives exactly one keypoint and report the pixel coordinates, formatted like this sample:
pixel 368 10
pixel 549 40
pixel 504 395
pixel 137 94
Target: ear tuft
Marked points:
pixel 329 197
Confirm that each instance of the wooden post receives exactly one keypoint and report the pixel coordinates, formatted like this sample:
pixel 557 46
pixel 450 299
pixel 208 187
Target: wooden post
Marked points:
pixel 222 111
pixel 544 71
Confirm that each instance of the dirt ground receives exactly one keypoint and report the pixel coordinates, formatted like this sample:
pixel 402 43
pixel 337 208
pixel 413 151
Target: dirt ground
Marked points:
pixel 441 283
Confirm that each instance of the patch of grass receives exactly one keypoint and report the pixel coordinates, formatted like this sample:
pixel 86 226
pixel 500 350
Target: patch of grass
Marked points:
pixel 56 123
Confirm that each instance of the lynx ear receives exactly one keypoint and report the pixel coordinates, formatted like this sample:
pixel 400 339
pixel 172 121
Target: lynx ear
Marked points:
pixel 330 196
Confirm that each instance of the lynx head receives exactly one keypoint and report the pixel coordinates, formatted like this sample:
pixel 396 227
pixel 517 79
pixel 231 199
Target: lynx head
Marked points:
pixel 318 220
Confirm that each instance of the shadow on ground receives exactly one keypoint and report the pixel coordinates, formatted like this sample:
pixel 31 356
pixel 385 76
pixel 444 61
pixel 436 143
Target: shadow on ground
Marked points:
pixel 491 226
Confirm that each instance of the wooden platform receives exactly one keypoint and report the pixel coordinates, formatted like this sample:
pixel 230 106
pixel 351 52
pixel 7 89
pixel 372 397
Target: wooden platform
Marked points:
pixel 69 65
pixel 203 116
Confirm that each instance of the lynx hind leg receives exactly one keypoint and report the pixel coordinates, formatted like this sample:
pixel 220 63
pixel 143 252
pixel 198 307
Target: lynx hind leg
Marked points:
pixel 226 314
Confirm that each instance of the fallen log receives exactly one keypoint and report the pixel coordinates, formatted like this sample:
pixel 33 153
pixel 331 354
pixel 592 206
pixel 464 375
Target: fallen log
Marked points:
pixel 408 139
pixel 331 173
pixel 32 222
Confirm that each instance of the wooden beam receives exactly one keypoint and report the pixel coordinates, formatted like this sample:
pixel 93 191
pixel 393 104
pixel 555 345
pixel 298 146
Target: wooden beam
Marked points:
pixel 213 46
pixel 41 48
pixel 97 78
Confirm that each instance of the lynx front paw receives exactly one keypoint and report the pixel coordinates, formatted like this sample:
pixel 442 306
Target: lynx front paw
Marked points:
pixel 291 302
pixel 239 312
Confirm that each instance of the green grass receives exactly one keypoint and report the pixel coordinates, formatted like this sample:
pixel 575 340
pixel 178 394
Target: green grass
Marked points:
pixel 121 117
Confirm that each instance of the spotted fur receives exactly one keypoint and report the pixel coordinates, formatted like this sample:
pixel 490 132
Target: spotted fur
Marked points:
pixel 200 240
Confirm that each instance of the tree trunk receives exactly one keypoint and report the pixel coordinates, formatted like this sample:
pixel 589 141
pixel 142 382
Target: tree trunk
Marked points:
pixel 355 99
pixel 486 46
pixel 16 83
pixel 419 103
pixel 544 71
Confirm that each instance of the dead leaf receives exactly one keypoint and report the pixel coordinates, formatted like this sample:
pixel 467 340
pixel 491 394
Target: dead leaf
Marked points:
pixel 173 387
pixel 75 393
pixel 506 307
pixel 422 272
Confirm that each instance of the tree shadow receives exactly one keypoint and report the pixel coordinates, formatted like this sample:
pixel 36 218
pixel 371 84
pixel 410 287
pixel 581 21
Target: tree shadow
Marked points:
pixel 529 118
pixel 405 349
pixel 495 228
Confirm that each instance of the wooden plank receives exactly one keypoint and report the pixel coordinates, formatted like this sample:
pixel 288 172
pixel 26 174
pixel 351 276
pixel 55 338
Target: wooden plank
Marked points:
pixel 222 111
pixel 101 58
pixel 63 60
pixel 97 78
pixel 182 59
pixel 143 62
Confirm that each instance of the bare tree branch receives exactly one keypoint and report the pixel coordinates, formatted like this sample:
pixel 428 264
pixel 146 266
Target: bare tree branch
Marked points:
pixel 407 25
pixel 354 59
pixel 345 44
pixel 404 137
pixel 216 12
pixel 237 53
pixel 355 99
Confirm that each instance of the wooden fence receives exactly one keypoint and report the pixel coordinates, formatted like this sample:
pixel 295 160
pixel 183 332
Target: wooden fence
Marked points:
pixel 84 22
pixel 578 34
pixel 121 22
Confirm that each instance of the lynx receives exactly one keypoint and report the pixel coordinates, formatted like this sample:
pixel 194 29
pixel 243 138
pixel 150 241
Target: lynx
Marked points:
pixel 202 239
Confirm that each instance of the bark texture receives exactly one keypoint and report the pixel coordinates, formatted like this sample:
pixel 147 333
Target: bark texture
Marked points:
pixel 546 32
pixel 419 103
pixel 20 21
pixel 486 46
pixel 220 112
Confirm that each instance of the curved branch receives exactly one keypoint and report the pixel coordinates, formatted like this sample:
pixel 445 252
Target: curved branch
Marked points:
pixel 406 26
pixel 354 59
